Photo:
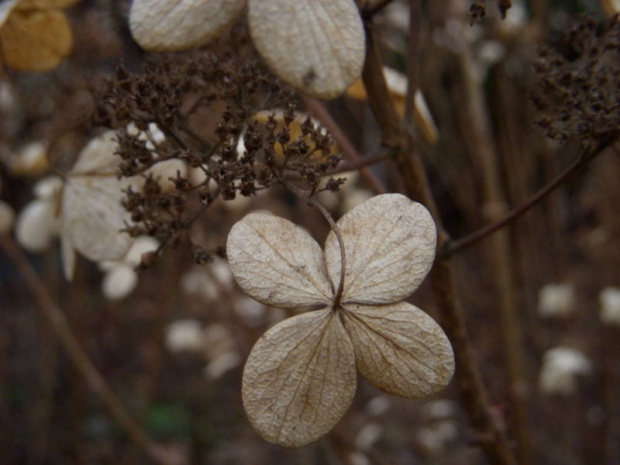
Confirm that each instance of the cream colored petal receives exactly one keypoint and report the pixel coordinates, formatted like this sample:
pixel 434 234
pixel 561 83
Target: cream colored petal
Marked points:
pixel 35 40
pixel 277 263
pixel 98 156
pixel 390 246
pixel 316 46
pixel 36 225
pixel 93 217
pixel 400 349
pixel 119 282
pixel 299 379
pixel 175 25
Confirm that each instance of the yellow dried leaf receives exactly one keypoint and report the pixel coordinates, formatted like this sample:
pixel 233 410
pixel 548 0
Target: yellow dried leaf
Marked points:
pixel 400 349
pixel 316 46
pixel 181 24
pixel 300 379
pixel 35 40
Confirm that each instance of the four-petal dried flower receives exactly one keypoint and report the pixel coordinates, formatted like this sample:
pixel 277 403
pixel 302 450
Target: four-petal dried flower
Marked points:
pixel 300 376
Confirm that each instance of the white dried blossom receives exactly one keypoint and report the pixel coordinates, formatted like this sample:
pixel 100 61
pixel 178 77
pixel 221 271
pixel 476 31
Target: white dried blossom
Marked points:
pixel 560 371
pixel 300 377
pixel 609 299
pixel 316 46
pixel 185 336
pixel 121 277
pixel 85 210
pixel 556 300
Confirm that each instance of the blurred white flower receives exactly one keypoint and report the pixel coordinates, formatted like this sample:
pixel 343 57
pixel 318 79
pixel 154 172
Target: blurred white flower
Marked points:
pixel 121 277
pixel 185 336
pixel 609 299
pixel 368 436
pixel 561 368
pixel 31 159
pixel 85 211
pixel 220 351
pixel 37 224
pixel 556 300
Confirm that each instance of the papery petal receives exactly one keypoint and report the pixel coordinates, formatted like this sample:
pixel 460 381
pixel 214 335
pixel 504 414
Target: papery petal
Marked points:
pixel 36 225
pixel 390 246
pixel 119 282
pixel 277 263
pixel 399 348
pixel 316 46
pixel 299 379
pixel 98 156
pixel 35 40
pixel 93 216
pixel 182 24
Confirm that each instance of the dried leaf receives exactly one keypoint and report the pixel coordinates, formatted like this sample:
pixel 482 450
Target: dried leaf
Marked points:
pixel 277 262
pixel 300 379
pixel 390 246
pixel 35 40
pixel 316 46
pixel 400 349
pixel 181 24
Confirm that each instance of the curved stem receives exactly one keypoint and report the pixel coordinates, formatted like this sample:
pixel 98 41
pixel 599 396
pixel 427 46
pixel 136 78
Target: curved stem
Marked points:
pixel 332 224
pixel 455 246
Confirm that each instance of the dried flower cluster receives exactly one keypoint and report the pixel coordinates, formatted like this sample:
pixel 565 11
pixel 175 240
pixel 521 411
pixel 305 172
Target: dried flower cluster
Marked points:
pixel 577 95
pixel 250 148
pixel 300 377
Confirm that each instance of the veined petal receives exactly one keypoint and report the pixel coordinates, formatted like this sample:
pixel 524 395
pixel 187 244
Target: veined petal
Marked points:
pixel 277 263
pixel 93 216
pixel 300 378
pixel 399 348
pixel 181 24
pixel 98 156
pixel 317 46
pixel 35 40
pixel 389 242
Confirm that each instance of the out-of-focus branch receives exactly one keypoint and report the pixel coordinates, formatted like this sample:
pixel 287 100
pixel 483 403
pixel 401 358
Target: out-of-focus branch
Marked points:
pixel 77 354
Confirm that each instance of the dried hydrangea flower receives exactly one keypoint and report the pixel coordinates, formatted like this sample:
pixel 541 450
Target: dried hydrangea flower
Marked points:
pixel 300 377
pixel 316 46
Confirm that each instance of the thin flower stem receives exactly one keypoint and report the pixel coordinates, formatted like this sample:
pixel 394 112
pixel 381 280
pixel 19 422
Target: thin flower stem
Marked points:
pixel 332 224
pixel 452 247
pixel 76 352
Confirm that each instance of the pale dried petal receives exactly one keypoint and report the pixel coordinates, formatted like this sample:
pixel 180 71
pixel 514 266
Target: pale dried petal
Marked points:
pixel 390 246
pixel 316 46
pixel 119 282
pixel 277 263
pixel 98 156
pixel 93 217
pixel 400 349
pixel 36 225
pixel 181 24
pixel 35 40
pixel 300 378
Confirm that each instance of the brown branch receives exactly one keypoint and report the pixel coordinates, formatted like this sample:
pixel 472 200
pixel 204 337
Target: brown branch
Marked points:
pixel 349 151
pixel 473 391
pixel 452 247
pixel 78 355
